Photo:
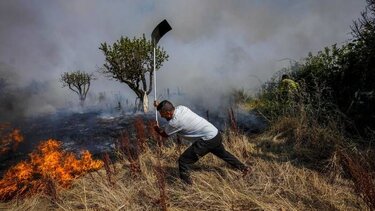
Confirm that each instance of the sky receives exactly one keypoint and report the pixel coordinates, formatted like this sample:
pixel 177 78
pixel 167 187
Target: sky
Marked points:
pixel 214 46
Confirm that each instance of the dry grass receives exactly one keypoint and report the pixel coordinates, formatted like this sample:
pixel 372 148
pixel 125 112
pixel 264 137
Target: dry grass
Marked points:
pixel 273 185
pixel 304 139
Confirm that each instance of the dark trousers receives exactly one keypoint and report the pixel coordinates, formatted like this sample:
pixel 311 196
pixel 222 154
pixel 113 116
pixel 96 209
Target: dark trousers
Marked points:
pixel 199 149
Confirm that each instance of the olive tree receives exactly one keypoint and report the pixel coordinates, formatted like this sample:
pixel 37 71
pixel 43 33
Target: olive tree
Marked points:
pixel 79 82
pixel 130 61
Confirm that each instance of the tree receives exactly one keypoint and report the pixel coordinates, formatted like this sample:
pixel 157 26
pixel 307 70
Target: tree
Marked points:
pixel 79 82
pixel 364 27
pixel 130 61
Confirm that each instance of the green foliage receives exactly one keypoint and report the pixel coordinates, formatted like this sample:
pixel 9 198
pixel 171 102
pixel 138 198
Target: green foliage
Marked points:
pixel 268 101
pixel 77 81
pixel 348 74
pixel 239 96
pixel 130 60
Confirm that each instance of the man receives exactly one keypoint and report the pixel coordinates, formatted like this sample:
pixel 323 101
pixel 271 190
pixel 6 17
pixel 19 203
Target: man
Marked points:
pixel 288 85
pixel 189 125
pixel 288 89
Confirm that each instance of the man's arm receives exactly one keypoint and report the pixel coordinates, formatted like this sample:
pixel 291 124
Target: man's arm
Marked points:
pixel 160 131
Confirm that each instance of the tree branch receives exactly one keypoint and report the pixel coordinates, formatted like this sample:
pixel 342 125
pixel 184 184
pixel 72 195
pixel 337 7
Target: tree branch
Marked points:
pixel 70 87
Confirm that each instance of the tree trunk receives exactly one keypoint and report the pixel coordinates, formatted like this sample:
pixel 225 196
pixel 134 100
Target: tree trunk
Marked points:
pixel 145 102
pixel 81 102
pixel 142 104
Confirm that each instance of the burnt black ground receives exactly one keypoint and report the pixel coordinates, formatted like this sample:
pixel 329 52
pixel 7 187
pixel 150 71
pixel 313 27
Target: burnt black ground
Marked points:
pixel 97 131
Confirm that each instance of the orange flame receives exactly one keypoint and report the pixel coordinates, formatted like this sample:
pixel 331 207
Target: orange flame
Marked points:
pixel 9 139
pixel 47 163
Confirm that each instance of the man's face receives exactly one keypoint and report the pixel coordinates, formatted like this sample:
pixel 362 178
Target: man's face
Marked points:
pixel 168 115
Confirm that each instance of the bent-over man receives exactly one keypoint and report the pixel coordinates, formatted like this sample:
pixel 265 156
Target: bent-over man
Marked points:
pixel 206 137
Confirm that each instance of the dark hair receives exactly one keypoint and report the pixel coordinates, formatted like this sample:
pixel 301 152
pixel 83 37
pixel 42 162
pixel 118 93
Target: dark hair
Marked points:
pixel 165 105
pixel 285 76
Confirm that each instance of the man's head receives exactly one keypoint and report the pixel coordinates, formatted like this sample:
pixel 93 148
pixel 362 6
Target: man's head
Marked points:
pixel 166 109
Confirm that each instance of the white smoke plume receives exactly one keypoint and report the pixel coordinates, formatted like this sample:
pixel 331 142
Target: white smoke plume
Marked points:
pixel 214 46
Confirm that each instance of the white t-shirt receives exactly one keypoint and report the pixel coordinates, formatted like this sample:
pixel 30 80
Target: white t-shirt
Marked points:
pixel 189 125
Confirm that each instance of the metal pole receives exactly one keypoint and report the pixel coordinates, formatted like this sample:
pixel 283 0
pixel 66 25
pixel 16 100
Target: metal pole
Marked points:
pixel 156 112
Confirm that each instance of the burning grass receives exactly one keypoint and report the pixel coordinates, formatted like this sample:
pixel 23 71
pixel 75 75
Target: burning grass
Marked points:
pixel 148 179
pixel 273 185
pixel 49 168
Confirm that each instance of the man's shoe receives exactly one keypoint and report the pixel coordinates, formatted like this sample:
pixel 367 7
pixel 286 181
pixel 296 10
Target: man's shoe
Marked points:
pixel 187 181
pixel 246 171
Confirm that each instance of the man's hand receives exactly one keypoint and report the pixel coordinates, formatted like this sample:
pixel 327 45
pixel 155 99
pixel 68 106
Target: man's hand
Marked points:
pixel 160 131
pixel 157 129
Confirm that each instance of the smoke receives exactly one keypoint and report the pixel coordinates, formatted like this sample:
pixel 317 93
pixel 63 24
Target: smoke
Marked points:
pixel 214 46
pixel 20 100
